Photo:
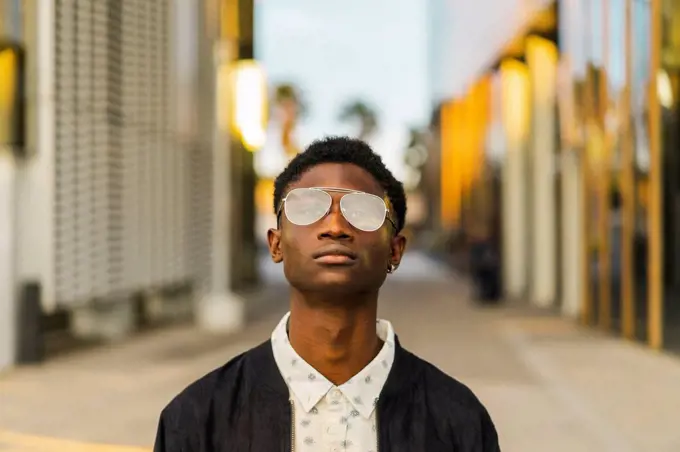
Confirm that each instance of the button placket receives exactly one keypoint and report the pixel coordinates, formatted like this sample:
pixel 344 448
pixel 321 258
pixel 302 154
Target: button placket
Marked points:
pixel 334 430
pixel 335 400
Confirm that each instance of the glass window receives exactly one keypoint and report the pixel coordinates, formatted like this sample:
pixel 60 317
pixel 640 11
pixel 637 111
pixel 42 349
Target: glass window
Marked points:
pixel 614 118
pixel 639 102
pixel 640 61
pixel 668 89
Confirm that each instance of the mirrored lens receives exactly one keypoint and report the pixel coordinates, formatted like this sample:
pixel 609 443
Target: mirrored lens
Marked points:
pixel 364 211
pixel 305 206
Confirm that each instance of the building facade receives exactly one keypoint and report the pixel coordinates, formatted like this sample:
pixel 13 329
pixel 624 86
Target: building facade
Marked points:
pixel 11 54
pixel 588 93
pixel 118 203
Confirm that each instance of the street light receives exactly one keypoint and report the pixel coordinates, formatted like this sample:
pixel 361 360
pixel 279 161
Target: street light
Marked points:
pixel 11 127
pixel 248 112
pixel 515 98
pixel 515 102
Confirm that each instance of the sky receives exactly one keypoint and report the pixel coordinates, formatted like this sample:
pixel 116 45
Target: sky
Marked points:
pixel 341 50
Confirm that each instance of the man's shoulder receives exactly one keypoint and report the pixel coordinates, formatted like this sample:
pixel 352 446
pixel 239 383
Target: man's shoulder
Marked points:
pixel 454 404
pixel 194 401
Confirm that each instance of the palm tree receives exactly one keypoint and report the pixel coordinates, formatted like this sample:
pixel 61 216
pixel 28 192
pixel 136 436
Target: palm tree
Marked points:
pixel 291 106
pixel 360 111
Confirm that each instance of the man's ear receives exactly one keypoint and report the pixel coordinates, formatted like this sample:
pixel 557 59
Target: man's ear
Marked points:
pixel 274 241
pixel 398 246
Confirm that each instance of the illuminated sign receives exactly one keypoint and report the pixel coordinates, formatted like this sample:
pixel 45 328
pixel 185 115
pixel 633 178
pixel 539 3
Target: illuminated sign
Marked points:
pixel 11 95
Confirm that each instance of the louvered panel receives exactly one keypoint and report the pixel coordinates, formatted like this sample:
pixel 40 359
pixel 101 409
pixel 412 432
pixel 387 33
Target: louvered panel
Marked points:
pixel 155 136
pixel 141 85
pixel 166 145
pixel 135 231
pixel 117 160
pixel 101 152
pixel 65 152
pixel 125 218
pixel 150 134
pixel 145 169
pixel 112 115
pixel 86 246
pixel 146 172
pixel 178 178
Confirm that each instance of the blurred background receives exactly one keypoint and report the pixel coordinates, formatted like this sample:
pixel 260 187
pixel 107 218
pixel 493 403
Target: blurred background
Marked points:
pixel 538 141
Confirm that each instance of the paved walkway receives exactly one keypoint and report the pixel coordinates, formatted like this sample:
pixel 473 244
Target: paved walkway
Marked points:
pixel 549 385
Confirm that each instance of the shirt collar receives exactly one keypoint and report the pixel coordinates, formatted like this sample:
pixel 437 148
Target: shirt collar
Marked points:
pixel 309 386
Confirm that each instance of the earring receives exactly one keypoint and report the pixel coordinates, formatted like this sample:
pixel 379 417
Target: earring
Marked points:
pixel 391 268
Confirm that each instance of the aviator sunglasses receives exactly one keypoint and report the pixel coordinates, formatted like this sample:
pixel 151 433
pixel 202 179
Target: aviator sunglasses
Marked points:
pixel 364 211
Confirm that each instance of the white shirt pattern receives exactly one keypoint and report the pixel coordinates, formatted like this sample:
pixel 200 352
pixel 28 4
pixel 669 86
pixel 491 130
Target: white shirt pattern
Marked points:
pixel 328 417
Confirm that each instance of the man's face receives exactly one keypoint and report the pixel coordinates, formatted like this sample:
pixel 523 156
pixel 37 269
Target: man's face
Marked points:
pixel 331 255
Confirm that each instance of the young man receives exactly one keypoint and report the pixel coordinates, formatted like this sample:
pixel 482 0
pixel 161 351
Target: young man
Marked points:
pixel 332 377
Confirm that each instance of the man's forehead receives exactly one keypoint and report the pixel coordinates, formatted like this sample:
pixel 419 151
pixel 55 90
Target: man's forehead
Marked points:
pixel 339 175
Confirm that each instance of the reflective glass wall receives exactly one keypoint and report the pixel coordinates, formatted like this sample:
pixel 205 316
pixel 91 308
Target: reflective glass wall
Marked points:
pixel 668 95
pixel 614 132
pixel 630 129
pixel 640 124
pixel 596 166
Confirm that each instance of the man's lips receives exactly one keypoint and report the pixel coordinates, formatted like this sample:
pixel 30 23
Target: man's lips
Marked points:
pixel 335 255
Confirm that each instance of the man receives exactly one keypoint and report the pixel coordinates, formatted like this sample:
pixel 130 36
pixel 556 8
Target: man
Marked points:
pixel 332 377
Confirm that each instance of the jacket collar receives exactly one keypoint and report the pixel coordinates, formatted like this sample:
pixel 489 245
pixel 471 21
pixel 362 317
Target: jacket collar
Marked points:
pixel 261 369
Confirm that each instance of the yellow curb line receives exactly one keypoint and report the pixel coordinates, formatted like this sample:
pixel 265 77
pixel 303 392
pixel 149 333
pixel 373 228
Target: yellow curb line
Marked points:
pixel 19 442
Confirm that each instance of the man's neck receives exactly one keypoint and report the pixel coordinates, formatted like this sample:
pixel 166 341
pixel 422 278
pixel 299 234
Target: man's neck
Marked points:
pixel 337 340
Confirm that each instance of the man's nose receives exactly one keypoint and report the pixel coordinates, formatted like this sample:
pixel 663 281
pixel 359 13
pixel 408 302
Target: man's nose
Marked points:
pixel 334 225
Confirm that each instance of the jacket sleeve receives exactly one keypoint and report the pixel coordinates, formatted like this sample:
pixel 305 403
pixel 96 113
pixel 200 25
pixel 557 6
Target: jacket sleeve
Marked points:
pixel 169 438
pixel 489 434
pixel 163 441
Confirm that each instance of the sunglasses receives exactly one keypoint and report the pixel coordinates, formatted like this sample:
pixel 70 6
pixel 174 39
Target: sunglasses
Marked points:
pixel 364 211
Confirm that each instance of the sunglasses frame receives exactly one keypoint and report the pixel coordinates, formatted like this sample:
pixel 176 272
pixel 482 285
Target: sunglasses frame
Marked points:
pixel 346 191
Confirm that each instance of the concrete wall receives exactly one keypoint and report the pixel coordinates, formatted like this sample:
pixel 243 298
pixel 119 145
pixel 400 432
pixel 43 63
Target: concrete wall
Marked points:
pixel 7 252
pixel 572 38
pixel 10 28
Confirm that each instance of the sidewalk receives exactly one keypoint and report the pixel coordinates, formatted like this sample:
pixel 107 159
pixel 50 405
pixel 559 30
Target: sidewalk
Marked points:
pixel 549 385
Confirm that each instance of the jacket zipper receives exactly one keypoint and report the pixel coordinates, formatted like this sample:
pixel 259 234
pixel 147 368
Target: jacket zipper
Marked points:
pixel 292 427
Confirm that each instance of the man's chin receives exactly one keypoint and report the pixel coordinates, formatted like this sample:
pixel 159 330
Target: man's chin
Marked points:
pixel 334 281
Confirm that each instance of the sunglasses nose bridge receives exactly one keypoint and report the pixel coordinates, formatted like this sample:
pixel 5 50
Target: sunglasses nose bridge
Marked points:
pixel 334 222
pixel 335 217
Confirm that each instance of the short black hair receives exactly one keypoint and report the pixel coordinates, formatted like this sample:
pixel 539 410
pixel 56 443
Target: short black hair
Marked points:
pixel 343 150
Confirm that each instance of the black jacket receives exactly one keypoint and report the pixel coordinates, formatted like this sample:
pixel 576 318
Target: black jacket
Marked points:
pixel 244 406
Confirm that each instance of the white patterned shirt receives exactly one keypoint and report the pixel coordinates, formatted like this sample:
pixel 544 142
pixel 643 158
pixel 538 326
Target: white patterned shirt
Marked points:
pixel 328 417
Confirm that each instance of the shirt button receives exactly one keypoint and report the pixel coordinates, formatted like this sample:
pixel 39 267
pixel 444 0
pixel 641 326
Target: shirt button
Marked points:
pixel 336 394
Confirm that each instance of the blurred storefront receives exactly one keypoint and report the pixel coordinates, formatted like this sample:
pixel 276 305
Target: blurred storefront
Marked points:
pixel 582 130
pixel 497 159
pixel 624 130
pixel 128 196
